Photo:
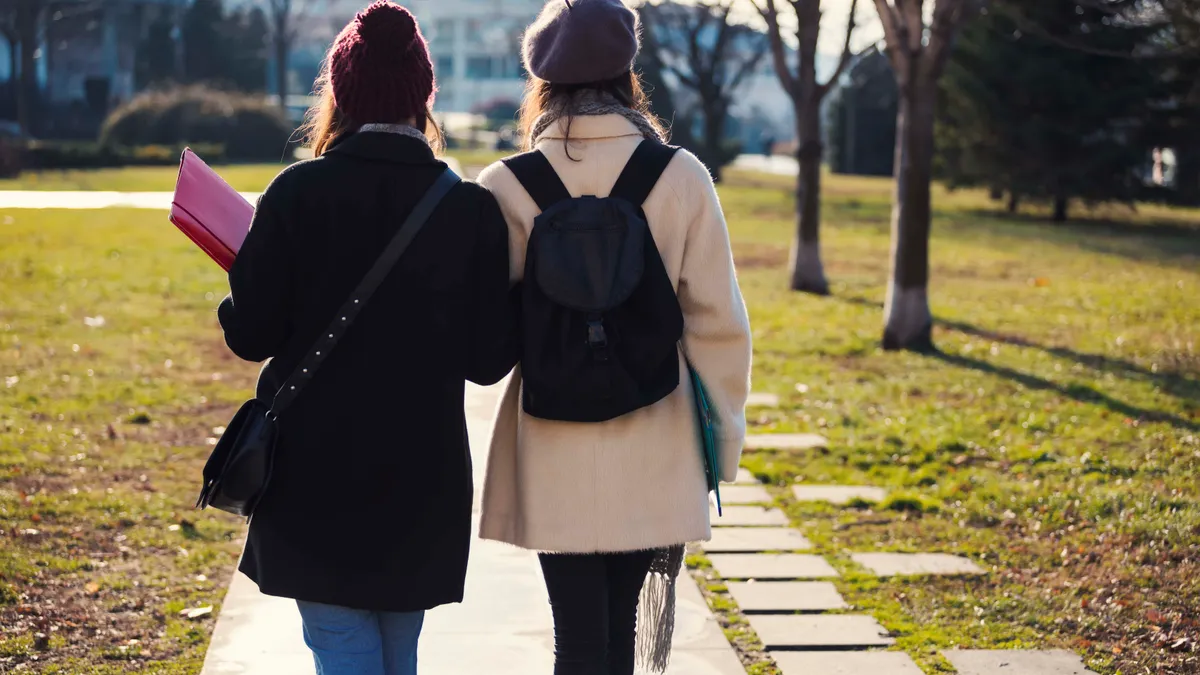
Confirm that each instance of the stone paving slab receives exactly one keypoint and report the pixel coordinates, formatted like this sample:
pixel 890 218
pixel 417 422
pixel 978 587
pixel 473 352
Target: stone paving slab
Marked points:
pixel 817 631
pixel 905 564
pixel 755 540
pixel 846 663
pixel 767 566
pixel 786 596
pixel 746 516
pixel 745 494
pixel 838 494
pixel 1016 662
pixel 744 477
pixel 761 400
pixel 785 442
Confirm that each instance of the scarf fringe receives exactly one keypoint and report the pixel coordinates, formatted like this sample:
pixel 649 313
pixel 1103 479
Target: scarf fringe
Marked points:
pixel 656 611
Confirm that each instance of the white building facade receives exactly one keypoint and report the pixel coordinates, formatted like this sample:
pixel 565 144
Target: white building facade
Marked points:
pixel 476 49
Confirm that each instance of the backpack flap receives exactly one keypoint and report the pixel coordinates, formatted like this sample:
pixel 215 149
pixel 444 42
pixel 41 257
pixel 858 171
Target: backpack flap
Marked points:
pixel 589 253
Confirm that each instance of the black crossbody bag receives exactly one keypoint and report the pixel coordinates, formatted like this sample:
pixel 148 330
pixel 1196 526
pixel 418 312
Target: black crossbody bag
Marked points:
pixel 239 469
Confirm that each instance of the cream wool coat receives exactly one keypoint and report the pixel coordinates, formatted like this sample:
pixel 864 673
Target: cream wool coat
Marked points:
pixel 636 482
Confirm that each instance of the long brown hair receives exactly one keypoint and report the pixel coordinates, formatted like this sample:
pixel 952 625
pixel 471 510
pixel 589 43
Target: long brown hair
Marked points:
pixel 543 97
pixel 325 123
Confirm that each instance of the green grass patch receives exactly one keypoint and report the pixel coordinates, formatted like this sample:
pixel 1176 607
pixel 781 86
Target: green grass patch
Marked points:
pixel 112 379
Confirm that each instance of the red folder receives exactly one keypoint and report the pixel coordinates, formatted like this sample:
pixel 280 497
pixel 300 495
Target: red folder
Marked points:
pixel 209 211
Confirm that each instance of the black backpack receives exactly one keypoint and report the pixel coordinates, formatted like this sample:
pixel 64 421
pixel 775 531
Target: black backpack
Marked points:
pixel 601 322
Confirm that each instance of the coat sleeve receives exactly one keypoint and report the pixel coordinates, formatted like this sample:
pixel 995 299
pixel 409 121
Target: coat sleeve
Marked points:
pixel 256 315
pixel 495 332
pixel 717 338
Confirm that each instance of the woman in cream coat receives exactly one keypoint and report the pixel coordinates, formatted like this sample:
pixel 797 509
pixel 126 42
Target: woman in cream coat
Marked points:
pixel 609 494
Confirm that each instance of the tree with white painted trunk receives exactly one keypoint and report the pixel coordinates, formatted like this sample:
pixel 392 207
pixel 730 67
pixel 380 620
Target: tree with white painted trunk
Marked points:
pixel 801 85
pixel 918 54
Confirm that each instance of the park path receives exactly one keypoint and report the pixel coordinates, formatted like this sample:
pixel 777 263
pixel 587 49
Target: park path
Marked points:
pixel 79 200
pixel 503 628
pixel 161 201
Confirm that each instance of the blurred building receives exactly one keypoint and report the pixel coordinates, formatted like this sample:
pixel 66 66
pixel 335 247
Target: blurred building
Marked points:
pixel 476 48
pixel 86 59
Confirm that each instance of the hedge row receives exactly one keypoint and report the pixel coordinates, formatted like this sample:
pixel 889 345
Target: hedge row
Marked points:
pixel 63 155
pixel 248 127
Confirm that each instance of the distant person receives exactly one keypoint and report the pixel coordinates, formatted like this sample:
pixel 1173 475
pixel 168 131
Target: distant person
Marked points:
pixel 366 521
pixel 596 464
pixel 768 145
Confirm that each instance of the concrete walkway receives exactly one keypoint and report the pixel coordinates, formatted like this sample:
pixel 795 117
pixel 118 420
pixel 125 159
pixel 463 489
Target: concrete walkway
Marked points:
pixel 50 199
pixel 503 628
pixel 780 165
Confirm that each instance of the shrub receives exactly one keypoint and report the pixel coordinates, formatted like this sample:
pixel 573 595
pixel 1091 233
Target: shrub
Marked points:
pixel 248 126
pixel 10 158
pixel 65 155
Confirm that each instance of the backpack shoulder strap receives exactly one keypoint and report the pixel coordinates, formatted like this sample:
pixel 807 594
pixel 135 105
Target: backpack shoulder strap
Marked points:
pixel 642 172
pixel 539 178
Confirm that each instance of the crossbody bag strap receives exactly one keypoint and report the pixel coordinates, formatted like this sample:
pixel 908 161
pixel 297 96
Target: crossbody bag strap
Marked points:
pixel 362 294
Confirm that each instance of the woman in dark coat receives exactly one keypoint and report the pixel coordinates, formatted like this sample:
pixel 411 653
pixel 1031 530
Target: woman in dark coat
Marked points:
pixel 367 518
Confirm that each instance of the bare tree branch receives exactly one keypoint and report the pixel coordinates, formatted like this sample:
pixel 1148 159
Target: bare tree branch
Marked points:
pixel 894 37
pixel 847 52
pixel 778 50
pixel 913 20
pixel 747 67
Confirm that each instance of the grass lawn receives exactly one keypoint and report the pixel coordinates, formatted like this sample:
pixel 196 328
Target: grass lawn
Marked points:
pixel 1056 438
pixel 243 177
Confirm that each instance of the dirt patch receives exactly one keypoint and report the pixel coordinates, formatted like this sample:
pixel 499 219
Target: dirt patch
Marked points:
pixel 760 256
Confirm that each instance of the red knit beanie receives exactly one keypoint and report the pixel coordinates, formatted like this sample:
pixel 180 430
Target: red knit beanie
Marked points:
pixel 379 67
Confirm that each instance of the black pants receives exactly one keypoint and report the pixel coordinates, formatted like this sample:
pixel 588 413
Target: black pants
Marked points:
pixel 594 599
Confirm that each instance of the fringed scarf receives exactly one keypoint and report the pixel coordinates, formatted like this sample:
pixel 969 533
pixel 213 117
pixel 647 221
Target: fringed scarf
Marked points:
pixel 656 610
pixel 656 607
pixel 587 103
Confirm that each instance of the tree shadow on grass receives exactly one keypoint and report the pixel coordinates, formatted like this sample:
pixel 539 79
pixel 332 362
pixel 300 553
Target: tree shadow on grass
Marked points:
pixel 1078 392
pixel 1161 240
pixel 1172 383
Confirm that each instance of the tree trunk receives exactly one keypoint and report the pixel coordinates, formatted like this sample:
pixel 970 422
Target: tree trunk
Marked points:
pixel 1062 207
pixel 808 274
pixel 714 137
pixel 282 49
pixel 28 12
pixel 1014 202
pixel 909 323
pixel 14 57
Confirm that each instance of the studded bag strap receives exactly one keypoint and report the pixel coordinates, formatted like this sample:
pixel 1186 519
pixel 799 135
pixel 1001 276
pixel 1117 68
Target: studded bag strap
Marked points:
pixel 358 300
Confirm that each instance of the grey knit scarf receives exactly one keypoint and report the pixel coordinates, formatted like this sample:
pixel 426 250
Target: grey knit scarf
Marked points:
pixel 588 103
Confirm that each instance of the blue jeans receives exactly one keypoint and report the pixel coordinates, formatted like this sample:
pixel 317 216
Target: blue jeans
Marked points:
pixel 348 641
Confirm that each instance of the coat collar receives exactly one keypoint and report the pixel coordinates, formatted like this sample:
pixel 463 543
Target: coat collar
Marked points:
pixel 384 147
pixel 592 127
